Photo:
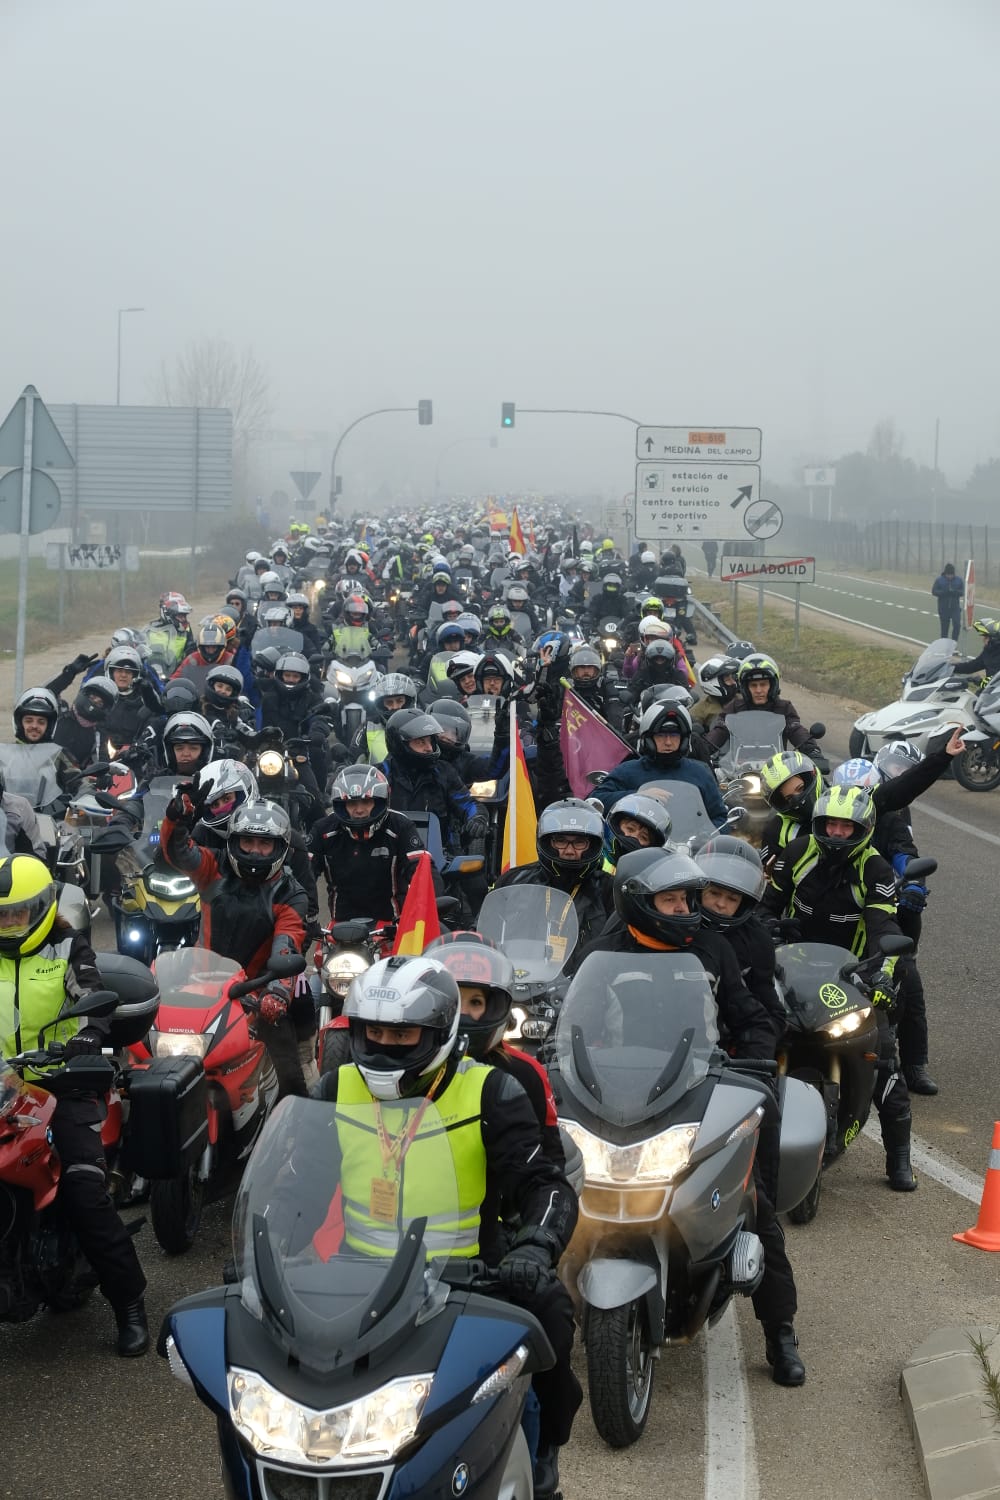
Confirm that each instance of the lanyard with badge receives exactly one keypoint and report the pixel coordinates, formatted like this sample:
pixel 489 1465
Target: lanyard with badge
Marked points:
pixel 383 1203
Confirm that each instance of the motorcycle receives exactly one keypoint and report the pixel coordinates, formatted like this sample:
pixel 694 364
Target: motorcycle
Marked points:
pixel 831 1041
pixel 41 1263
pixel 157 907
pixel 977 769
pixel 200 1087
pixel 274 762
pixel 345 950
pixel 92 834
pixel 331 1367
pixel 668 1127
pixel 354 680
pixel 932 703
pixel 610 641
pixel 537 928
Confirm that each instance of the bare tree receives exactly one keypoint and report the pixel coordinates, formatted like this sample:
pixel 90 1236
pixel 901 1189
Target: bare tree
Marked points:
pixel 211 372
pixel 885 443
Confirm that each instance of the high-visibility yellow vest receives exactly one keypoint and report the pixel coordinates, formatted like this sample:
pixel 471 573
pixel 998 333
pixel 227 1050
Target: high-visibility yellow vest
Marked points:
pixel 446 1150
pixel 35 987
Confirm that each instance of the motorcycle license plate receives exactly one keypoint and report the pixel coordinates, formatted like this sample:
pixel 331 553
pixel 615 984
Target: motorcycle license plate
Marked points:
pixel 670 614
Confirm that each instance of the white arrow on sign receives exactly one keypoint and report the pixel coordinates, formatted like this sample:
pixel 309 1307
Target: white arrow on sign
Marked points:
pixel 737 445
pixel 691 500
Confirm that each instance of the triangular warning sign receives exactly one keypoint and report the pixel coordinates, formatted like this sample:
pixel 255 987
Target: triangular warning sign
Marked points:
pixel 48 450
pixel 304 480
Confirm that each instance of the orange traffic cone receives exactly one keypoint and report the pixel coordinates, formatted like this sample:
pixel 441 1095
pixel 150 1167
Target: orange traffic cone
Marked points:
pixel 985 1233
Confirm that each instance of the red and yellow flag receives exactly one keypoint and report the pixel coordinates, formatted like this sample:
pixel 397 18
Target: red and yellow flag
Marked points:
pixel 418 921
pixel 516 534
pixel 519 833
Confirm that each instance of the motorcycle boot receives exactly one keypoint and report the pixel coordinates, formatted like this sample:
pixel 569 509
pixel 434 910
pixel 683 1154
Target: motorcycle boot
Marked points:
pixel 781 1349
pixel 546 1485
pixel 896 1139
pixel 133 1330
pixel 918 1080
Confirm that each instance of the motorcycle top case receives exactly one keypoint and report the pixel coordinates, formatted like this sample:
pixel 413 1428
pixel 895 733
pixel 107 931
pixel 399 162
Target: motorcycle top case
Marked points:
pixel 168 1121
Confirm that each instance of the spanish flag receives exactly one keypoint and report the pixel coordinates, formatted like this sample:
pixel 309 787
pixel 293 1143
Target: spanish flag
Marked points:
pixel 519 833
pixel 517 535
pixel 418 921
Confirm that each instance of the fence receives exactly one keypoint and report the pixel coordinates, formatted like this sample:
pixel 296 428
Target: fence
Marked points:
pixel 898 546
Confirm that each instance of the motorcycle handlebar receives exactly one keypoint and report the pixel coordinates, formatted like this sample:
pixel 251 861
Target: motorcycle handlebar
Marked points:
pixel 765 1065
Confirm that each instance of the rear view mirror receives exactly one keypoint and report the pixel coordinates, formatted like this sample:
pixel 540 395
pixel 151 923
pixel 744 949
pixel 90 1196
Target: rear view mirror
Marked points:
pixel 817 731
pixel 285 965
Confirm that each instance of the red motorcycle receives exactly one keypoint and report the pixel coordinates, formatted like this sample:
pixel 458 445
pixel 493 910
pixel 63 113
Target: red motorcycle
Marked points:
pixel 200 1088
pixel 41 1263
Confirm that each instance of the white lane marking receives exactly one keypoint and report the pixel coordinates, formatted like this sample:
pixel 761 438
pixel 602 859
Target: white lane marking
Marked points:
pixel 850 620
pixel 730 1450
pixel 943 817
pixel 934 1163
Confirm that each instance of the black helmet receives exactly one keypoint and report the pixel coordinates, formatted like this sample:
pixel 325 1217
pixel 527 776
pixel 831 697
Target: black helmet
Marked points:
pixel 472 959
pixel 264 820
pixel 851 804
pixel 648 811
pixel 407 725
pixel 39 701
pixel 644 875
pixel 95 700
pixel 570 816
pixel 356 783
pixel 740 650
pixel 456 726
pixel 660 657
pixel 265 660
pixel 665 692
pixel 180 696
pixel 402 991
pixel 659 718
pixel 734 865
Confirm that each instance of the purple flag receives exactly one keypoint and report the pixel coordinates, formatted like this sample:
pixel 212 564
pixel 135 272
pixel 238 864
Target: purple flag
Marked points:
pixel 587 744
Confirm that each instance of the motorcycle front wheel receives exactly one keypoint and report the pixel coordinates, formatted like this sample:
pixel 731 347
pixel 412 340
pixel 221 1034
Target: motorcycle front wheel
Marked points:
pixel 977 769
pixel 175 1205
pixel 620 1369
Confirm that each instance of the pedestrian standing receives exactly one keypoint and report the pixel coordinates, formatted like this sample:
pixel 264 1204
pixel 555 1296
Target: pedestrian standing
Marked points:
pixel 711 551
pixel 948 589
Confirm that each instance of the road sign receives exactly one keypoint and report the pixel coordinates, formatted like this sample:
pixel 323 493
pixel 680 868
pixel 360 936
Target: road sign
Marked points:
pixel 762 519
pixel 305 481
pixel 759 569
pixel 970 592
pixel 738 445
pixel 683 501
pixel 48 450
pixel 86 557
pixel 46 501
pixel 819 479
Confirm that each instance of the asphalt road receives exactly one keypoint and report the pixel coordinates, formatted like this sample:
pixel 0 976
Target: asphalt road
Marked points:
pixel 876 1273
pixel 904 612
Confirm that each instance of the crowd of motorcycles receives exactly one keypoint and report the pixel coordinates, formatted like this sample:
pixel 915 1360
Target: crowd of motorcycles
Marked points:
pixel 660 1135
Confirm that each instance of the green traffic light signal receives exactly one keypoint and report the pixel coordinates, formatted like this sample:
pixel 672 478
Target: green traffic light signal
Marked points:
pixel 507 414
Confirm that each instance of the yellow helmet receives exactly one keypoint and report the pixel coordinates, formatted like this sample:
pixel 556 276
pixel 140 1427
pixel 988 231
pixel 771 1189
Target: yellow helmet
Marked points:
pixel 27 904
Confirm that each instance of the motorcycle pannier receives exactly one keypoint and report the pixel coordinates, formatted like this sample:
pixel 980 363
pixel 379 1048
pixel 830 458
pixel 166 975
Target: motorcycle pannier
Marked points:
pixel 168 1122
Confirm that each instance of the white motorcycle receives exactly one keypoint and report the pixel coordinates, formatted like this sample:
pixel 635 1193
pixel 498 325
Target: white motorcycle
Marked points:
pixel 932 702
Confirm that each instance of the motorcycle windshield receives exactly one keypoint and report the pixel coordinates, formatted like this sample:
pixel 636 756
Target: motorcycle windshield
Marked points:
pixel 753 739
pixel 337 1253
pixel 536 926
pixel 30 771
pixel 187 976
pixel 482 712
pixel 987 705
pixel 686 806
pixel 635 1033
pixel 812 979
pixel 154 806
pixel 281 636
pixel 934 663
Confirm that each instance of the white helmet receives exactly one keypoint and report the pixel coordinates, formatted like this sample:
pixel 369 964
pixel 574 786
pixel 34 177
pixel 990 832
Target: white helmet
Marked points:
pixel 402 991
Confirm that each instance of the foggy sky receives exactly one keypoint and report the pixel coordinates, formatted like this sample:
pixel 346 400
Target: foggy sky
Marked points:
pixel 780 213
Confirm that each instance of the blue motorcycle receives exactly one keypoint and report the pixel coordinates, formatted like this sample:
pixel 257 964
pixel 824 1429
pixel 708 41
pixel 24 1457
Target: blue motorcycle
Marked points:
pixel 357 1352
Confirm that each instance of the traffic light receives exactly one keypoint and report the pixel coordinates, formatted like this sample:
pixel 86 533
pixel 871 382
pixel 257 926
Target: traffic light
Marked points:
pixel 507 414
pixel 425 413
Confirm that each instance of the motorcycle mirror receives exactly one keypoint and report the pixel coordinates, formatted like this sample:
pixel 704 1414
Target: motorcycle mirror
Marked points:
pixel 918 868
pixel 736 815
pixel 98 1003
pixel 817 731
pixel 895 947
pixel 447 905
pixel 286 965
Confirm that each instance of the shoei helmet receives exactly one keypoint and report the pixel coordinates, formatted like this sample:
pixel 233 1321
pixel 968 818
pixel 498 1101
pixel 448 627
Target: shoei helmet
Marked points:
pixel 849 804
pixel 95 700
pixel 28 904
pixel 291 664
pixel 498 619
pixel 734 865
pixel 43 704
pixel 462 664
pixel 856 772
pixel 228 785
pixel 988 629
pixel 571 817
pixel 758 668
pixel 360 783
pixel 662 718
pixel 776 773
pixel 259 821
pixel 648 873
pixel 650 813
pixel 472 959
pixel 402 992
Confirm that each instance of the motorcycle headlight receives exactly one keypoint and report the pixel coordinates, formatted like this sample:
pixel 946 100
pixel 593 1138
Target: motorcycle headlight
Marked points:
pixel 483 790
pixel 179 1043
pixel 174 887
pixel 610 642
pixel 751 784
pixel 270 763
pixel 847 1024
pixel 320 585
pixel 515 1026
pixel 340 971
pixel 372 1429
pixel 344 679
pixel 660 1159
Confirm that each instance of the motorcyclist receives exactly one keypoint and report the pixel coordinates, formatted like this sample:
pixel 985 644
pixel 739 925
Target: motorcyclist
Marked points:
pixel 657 897
pixel 169 638
pixel 363 849
pixel 837 889
pixel 569 841
pixel 312 640
pixel 988 660
pixel 587 675
pixel 211 650
pixel 500 632
pixel 253 910
pixel 717 685
pixel 449 639
pixel 759 691
pixel 81 732
pixel 461 672
pixel 351 637
pixel 45 967
pixel 663 744
pixel 188 744
pixel 729 903
pixel 223 705
pixel 420 781
pixel 139 701
pixel 36 714
pixel 403 1017
pixel 635 822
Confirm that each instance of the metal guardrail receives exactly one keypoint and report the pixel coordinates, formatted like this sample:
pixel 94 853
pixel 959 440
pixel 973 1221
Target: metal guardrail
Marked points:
pixel 722 631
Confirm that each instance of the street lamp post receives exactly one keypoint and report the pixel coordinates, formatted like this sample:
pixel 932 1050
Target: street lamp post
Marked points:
pixel 118 382
pixel 378 412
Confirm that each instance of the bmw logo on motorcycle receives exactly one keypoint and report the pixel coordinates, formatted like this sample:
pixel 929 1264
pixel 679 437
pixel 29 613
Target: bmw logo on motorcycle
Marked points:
pixel 460 1480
